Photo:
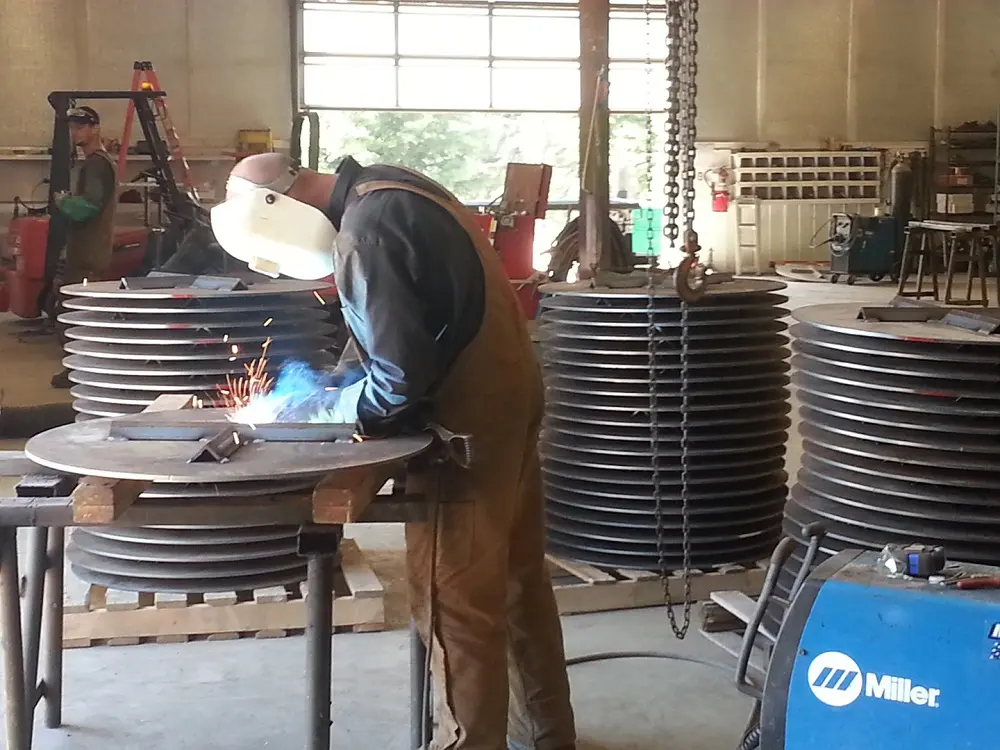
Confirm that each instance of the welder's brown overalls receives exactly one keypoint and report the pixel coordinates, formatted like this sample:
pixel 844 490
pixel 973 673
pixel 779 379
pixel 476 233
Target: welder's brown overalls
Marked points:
pixel 497 651
pixel 89 246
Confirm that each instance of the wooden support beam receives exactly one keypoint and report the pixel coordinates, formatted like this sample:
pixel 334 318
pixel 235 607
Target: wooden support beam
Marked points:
pixel 343 497
pixel 594 134
pixel 97 500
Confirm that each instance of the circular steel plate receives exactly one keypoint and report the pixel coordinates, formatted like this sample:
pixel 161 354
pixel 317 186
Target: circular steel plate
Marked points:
pixel 84 449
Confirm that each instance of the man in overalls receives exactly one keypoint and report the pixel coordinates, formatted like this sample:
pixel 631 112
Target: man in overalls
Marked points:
pixel 91 213
pixel 443 339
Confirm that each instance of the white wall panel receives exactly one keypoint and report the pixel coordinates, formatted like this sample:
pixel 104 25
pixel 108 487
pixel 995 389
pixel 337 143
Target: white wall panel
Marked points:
pixel 892 72
pixel 971 63
pixel 225 64
pixel 37 55
pixel 805 74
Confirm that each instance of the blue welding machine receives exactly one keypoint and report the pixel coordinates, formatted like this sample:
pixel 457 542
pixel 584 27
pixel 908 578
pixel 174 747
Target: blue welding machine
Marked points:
pixel 864 660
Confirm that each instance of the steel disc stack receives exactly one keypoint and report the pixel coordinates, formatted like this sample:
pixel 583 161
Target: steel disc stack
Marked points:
pixel 127 347
pixel 900 426
pixel 596 441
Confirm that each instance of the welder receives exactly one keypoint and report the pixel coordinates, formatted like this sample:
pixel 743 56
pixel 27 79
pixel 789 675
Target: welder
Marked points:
pixel 90 210
pixel 442 339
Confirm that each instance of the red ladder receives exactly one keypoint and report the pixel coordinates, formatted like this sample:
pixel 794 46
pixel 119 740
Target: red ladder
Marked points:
pixel 144 79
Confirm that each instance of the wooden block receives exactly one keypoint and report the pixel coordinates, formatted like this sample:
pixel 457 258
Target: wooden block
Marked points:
pixel 171 402
pixel 639 575
pixel 221 598
pixel 360 578
pixel 97 500
pixel 341 498
pixel 587 573
pixel 126 641
pixel 121 601
pixel 222 637
pixel 715 619
pixel 96 597
pixel 170 601
pixel 172 639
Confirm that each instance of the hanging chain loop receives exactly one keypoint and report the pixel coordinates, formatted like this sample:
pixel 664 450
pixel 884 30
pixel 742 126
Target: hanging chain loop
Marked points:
pixel 680 112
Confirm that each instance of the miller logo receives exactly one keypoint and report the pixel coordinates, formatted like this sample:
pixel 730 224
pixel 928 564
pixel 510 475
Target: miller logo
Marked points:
pixel 837 680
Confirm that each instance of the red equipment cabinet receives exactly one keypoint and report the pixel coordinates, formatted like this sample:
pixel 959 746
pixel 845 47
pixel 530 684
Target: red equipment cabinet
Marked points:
pixel 23 262
pixel 513 237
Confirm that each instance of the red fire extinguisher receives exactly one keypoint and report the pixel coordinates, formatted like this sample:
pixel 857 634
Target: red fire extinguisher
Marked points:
pixel 719 180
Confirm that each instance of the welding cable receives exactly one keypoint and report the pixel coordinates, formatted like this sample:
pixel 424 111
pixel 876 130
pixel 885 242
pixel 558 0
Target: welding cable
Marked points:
pixel 609 655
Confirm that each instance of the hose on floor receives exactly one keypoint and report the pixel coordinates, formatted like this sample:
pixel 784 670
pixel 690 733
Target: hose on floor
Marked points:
pixel 751 735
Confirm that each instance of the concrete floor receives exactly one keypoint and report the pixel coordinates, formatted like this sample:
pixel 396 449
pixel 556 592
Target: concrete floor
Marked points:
pixel 241 695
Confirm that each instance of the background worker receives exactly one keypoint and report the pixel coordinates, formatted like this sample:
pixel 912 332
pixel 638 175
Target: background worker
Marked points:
pixel 443 339
pixel 90 210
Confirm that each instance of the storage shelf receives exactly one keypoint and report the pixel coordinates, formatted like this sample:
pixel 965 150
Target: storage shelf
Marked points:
pixel 808 175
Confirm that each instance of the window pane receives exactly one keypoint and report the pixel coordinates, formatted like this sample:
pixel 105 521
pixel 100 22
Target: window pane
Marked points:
pixel 359 31
pixel 543 34
pixel 444 84
pixel 632 88
pixel 534 86
pixel 449 32
pixel 627 36
pixel 349 82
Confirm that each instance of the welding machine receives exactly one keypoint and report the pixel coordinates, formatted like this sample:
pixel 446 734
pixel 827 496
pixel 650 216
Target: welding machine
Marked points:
pixel 866 660
pixel 864 246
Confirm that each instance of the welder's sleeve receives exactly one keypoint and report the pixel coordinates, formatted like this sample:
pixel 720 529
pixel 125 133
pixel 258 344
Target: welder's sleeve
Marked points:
pixel 98 189
pixel 381 307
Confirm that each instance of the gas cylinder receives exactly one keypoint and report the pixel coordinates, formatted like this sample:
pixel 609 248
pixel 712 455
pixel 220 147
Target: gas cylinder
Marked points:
pixel 901 189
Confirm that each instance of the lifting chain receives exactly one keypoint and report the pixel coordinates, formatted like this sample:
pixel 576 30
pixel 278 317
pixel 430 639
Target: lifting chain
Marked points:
pixel 679 170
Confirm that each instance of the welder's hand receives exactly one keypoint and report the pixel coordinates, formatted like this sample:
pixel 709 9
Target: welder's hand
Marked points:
pixel 346 409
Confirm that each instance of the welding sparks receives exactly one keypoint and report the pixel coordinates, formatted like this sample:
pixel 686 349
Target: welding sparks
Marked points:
pixel 225 339
pixel 319 296
pixel 85 282
pixel 240 392
pixel 236 438
pixel 234 349
pixel 268 322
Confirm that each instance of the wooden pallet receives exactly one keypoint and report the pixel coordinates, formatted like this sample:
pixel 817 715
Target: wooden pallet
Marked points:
pixel 118 618
pixel 584 588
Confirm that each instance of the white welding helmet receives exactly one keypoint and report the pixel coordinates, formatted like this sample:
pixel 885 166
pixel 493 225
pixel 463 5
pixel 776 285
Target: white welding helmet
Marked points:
pixel 273 234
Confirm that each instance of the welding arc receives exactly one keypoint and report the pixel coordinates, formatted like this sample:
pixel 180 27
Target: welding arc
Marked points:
pixel 595 445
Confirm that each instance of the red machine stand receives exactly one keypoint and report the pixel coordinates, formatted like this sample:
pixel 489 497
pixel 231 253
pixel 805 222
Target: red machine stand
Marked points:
pixel 513 238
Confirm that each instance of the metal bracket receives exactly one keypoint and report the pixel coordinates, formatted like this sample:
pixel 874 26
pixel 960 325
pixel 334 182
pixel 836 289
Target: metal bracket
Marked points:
pixel 44 485
pixel 219 448
pixel 178 281
pixel 318 541
pixel 902 310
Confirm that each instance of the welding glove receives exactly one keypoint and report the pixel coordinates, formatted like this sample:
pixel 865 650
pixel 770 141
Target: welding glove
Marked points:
pixel 346 409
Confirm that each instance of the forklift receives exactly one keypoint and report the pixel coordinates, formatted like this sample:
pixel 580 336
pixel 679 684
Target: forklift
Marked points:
pixel 37 235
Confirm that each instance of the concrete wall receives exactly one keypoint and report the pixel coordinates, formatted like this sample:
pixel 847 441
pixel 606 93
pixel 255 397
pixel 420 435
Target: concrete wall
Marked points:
pixel 805 72
pixel 225 65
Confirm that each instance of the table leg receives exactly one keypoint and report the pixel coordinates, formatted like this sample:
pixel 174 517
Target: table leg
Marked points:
pixel 320 546
pixel 31 622
pixel 421 726
pixel 52 631
pixel 15 705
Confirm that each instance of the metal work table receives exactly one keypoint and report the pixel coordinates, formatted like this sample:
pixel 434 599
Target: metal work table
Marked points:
pixel 354 492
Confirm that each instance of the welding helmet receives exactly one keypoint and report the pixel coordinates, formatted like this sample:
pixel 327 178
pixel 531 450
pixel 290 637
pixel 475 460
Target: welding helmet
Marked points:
pixel 272 233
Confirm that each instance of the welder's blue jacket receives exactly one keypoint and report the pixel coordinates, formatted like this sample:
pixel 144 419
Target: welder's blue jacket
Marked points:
pixel 412 291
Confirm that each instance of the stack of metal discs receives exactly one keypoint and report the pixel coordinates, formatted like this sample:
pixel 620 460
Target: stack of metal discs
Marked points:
pixel 596 446
pixel 900 427
pixel 127 347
